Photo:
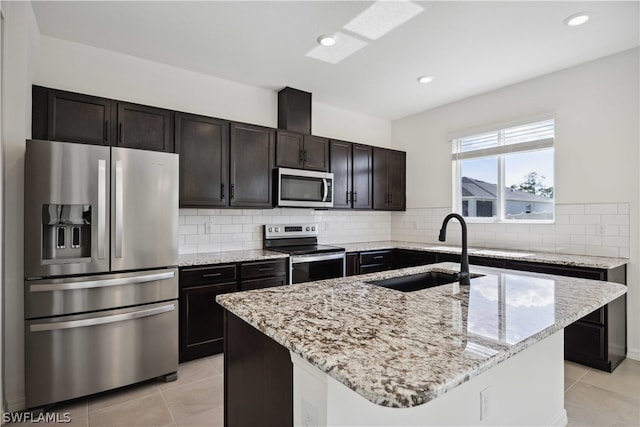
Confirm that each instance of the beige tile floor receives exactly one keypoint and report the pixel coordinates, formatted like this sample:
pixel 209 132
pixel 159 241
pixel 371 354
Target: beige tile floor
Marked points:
pixel 592 398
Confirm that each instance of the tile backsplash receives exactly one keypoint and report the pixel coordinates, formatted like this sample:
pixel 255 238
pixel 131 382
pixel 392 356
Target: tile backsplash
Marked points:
pixel 215 230
pixel 596 229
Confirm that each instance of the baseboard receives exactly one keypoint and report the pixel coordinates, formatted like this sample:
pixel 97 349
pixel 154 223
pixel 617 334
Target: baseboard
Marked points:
pixel 633 354
pixel 561 420
pixel 15 405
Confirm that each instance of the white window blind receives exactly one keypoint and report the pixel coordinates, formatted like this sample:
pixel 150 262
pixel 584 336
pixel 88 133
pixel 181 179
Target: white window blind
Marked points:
pixel 532 136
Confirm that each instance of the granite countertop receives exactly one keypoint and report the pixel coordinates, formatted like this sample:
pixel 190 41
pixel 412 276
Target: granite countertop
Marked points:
pixel 542 257
pixel 187 260
pixel 404 349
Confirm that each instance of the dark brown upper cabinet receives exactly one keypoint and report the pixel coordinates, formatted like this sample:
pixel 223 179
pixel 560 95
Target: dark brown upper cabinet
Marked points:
pixel 251 163
pixel 297 151
pixel 389 170
pixel 144 127
pixel 351 165
pixel 71 117
pixel 203 145
pixel 294 110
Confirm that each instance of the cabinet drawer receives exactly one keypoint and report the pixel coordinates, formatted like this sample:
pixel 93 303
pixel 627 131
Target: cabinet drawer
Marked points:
pixel 207 275
pixel 262 269
pixel 376 257
pixel 488 262
pixel 560 270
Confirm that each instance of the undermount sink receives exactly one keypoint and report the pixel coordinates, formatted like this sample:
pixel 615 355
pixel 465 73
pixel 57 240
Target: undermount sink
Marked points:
pixel 416 282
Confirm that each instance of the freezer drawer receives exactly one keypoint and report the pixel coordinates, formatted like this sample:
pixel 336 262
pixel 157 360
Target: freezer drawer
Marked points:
pixel 73 356
pixel 57 297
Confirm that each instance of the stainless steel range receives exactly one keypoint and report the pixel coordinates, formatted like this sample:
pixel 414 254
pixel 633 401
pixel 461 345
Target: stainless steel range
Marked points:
pixel 101 283
pixel 308 261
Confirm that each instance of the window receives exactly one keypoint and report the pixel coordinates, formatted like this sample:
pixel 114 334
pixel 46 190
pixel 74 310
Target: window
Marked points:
pixel 506 174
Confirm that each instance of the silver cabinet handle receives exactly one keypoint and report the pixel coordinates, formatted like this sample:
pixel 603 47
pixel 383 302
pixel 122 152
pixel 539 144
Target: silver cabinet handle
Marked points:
pixel 102 206
pixel 119 209
pixel 101 320
pixel 88 284
pixel 212 275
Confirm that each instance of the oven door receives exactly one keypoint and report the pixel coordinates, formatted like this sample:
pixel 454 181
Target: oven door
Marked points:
pixel 308 268
pixel 300 188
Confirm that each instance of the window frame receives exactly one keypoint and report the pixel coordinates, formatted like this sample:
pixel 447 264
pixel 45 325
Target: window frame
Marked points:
pixel 499 152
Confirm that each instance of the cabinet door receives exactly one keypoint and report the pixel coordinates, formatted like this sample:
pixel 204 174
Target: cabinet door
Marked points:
pixel 341 166
pixel 144 127
pixel 380 194
pixel 289 150
pixel 73 117
pixel 362 176
pixel 202 326
pixel 203 145
pixel 251 165
pixel 316 153
pixel 396 165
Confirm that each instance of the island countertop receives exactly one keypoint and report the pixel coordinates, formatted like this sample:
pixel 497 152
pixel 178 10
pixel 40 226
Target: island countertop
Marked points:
pixel 404 349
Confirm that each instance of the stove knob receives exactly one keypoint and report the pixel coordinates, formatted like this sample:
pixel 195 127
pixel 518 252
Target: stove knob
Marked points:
pixel 308 229
pixel 313 229
pixel 270 229
pixel 277 229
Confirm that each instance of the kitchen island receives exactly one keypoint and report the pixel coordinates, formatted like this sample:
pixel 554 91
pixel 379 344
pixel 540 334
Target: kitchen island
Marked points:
pixel 345 352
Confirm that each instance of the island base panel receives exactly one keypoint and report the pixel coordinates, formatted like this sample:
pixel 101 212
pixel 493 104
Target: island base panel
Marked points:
pixel 527 389
pixel 258 377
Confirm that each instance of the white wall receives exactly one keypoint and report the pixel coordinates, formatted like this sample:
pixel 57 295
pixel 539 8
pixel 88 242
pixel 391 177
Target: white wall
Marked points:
pixel 85 69
pixel 597 137
pixel 21 41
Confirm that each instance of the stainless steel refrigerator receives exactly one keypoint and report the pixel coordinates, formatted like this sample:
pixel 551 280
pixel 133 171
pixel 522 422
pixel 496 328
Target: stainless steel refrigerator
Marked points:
pixel 101 279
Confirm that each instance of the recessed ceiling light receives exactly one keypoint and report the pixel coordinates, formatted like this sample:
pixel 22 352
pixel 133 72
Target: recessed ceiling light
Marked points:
pixel 333 54
pixel 327 40
pixel 577 19
pixel 425 79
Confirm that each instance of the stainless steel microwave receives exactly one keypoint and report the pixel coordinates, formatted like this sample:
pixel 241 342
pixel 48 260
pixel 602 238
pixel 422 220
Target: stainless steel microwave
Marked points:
pixel 303 189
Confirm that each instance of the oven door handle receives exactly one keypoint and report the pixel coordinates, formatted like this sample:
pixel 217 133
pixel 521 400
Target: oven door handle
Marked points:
pixel 297 259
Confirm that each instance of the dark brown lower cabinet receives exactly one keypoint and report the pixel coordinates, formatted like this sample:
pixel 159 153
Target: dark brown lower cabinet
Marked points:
pixel 201 317
pixel 353 263
pixel 374 261
pixel 258 378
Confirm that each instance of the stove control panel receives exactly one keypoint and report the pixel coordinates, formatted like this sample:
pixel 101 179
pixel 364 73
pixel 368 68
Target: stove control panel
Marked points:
pixel 281 231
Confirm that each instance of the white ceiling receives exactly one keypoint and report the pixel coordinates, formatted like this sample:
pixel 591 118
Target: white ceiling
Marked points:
pixel 468 47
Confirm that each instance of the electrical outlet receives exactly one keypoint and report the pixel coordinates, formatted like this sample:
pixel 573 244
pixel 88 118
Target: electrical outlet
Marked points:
pixel 484 404
pixel 208 227
pixel 602 229
pixel 309 414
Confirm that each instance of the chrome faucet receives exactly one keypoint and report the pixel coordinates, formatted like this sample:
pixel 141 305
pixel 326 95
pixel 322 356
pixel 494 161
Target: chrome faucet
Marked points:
pixel 464 261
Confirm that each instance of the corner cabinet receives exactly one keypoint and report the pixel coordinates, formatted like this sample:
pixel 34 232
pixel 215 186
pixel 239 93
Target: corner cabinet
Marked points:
pixel 251 163
pixel 203 146
pixel 71 117
pixel 389 179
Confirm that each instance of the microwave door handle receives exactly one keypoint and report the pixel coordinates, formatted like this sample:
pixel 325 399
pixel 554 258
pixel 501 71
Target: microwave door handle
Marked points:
pixel 325 192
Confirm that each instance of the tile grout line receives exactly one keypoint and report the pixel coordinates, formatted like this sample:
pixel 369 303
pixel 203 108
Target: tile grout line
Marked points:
pixel 126 401
pixel 168 408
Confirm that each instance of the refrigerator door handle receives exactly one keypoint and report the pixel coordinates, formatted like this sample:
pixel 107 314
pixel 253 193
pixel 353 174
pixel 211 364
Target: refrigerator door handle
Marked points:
pixel 88 284
pixel 119 209
pixel 39 327
pixel 102 207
